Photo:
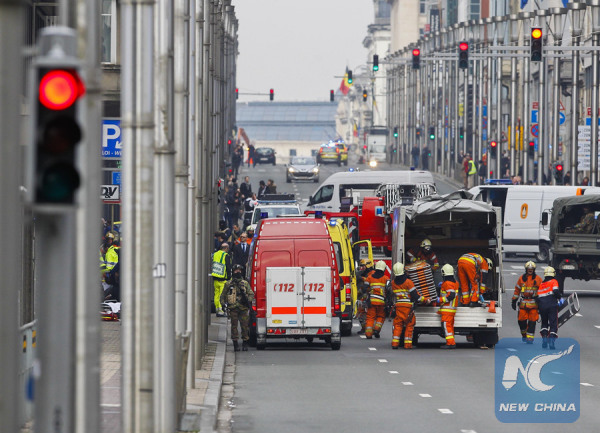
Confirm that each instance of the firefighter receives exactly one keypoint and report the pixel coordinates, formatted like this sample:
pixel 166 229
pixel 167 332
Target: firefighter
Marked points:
pixel 472 275
pixel 524 296
pixel 405 297
pixel 548 297
pixel 376 283
pixel 221 270
pixel 448 301
pixel 238 297
pixel 424 253
pixel 365 268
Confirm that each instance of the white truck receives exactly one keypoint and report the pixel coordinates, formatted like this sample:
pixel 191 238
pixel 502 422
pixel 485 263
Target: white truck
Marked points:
pixel 377 138
pixel 455 226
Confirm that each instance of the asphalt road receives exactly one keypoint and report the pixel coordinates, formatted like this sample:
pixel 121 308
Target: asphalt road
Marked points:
pixel 366 386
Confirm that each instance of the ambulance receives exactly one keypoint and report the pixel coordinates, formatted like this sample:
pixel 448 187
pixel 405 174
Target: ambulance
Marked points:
pixel 293 272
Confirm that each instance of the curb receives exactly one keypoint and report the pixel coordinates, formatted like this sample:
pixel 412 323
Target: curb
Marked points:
pixel 213 392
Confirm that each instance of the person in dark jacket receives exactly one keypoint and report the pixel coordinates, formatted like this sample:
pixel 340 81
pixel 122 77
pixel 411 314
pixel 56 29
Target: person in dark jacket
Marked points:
pixel 262 189
pixel 548 297
pixel 238 296
pixel 240 252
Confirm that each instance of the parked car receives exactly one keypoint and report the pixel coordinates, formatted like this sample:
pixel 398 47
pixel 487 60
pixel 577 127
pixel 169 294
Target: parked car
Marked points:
pixel 329 153
pixel 343 152
pixel 302 168
pixel 264 155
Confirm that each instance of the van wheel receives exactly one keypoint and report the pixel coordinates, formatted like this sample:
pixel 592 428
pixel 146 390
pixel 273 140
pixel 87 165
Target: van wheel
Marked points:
pixel 544 254
pixel 346 162
pixel 346 329
pixel 340 162
pixel 335 345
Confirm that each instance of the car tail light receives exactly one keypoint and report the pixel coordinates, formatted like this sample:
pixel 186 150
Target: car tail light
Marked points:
pixel 337 150
pixel 321 150
pixel 322 331
pixel 348 291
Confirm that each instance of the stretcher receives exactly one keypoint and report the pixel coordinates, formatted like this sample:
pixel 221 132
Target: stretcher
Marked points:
pixel 568 309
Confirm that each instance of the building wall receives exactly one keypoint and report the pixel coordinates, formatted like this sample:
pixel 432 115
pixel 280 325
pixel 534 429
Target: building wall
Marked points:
pixel 404 24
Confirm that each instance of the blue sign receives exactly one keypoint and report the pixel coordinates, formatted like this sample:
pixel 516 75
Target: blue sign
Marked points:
pixel 588 121
pixel 562 117
pixel 535 130
pixel 534 116
pixel 116 178
pixel 537 385
pixel 111 138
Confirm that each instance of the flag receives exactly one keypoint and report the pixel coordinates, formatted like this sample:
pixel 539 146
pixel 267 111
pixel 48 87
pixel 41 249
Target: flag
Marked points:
pixel 355 130
pixel 345 86
pixel 523 3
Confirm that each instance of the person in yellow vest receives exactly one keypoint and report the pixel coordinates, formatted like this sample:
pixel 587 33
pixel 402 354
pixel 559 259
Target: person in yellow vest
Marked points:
pixel 221 271
pixel 471 172
pixel 376 283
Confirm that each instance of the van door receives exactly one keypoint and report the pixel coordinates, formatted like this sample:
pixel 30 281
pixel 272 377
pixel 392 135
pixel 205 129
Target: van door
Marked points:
pixel 522 213
pixel 323 199
pixel 316 308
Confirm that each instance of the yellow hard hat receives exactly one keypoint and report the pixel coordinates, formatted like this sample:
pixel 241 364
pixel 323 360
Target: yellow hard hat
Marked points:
pixel 447 270
pixel 549 272
pixel 398 269
pixel 529 265
pixel 426 243
pixel 366 262
pixel 380 265
pixel 490 263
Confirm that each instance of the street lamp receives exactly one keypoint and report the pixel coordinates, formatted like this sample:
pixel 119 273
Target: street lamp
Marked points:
pixel 541 19
pixel 526 18
pixel 577 12
pixel 594 6
pixel 500 24
pixel 559 19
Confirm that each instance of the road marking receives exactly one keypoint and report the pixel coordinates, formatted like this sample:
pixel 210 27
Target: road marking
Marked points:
pixel 578 315
pixel 445 411
pixel 468 431
pixel 393 372
pixel 363 336
pixel 372 348
pixel 597 326
pixel 514 273
pixel 110 405
pixel 586 384
pixel 382 360
pixel 407 383
pixel 425 395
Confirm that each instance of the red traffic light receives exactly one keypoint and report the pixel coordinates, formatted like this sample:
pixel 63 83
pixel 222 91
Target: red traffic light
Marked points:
pixel 493 144
pixel 531 144
pixel 559 167
pixel 416 52
pixel 463 46
pixel 536 33
pixel 59 89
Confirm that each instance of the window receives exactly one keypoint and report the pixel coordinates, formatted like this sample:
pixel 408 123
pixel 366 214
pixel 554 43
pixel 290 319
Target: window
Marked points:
pixel 324 194
pixel 109 31
pixel 421 7
pixel 339 256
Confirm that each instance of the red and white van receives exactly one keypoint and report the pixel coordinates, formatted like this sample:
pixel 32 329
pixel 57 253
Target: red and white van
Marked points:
pixel 294 275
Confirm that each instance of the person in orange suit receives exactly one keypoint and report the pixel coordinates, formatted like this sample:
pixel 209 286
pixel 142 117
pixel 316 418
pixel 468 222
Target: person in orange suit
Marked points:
pixel 425 253
pixel 472 275
pixel 406 295
pixel 376 286
pixel 524 295
pixel 448 301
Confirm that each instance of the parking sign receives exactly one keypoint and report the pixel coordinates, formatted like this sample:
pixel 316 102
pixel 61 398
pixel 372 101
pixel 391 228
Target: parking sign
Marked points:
pixel 111 138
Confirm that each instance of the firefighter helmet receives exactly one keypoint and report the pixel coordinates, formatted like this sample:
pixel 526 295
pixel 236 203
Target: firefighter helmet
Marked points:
pixel 489 263
pixel 398 269
pixel 380 265
pixel 109 235
pixel 530 265
pixel 426 244
pixel 447 270
pixel 549 272
pixel 366 263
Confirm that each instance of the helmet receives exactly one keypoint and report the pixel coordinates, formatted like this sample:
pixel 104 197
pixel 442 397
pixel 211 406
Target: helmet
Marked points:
pixel 426 244
pixel 490 263
pixel 398 269
pixel 109 235
pixel 549 272
pixel 237 268
pixel 251 228
pixel 380 265
pixel 530 265
pixel 447 270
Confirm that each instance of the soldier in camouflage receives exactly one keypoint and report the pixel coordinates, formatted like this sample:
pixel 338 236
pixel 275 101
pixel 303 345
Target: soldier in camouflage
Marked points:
pixel 238 297
pixel 586 224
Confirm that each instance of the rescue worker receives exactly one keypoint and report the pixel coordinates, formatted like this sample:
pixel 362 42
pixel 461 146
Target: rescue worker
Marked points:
pixel 405 297
pixel 548 297
pixel 524 296
pixel 472 275
pixel 238 297
pixel 424 253
pixel 365 268
pixel 221 269
pixel 376 283
pixel 448 301
pixel 111 256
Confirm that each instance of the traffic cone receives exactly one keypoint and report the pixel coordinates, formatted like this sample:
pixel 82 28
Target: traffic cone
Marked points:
pixel 492 307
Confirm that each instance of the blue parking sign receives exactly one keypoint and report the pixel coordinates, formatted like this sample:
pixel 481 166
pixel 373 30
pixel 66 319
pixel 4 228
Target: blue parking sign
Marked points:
pixel 111 138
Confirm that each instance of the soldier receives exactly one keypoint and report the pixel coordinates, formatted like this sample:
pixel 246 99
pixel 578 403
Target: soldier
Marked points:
pixel 238 297
pixel 586 225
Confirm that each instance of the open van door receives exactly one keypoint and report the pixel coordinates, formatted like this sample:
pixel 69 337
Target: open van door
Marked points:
pixel 359 245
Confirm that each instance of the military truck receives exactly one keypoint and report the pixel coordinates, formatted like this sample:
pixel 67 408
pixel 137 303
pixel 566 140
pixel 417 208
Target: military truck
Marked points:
pixel 575 237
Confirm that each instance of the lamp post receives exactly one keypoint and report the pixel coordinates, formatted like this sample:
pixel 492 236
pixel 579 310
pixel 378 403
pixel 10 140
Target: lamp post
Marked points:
pixel 455 98
pixel 500 33
pixel 443 107
pixel 594 6
pixel 512 133
pixel 526 18
pixel 542 119
pixel 480 87
pixel 577 12
pixel 489 22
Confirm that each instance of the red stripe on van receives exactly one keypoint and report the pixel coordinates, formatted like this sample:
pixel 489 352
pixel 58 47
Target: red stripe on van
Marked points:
pixel 314 310
pixel 284 310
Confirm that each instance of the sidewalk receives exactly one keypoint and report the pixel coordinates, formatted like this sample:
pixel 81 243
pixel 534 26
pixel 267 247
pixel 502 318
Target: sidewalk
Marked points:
pixel 202 401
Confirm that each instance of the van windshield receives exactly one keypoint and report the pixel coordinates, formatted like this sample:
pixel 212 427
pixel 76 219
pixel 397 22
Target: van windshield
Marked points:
pixel 272 212
pixel 378 148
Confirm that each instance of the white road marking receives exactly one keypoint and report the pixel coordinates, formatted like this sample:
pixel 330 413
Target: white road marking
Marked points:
pixel 445 411
pixel 468 431
pixel 110 405
pixel 597 326
pixel 514 273
pixel 382 360
pixel 363 336
pixel 407 383
pixel 578 315
pixel 586 384
pixel 372 348
pixel 516 267
pixel 425 395
pixel 393 372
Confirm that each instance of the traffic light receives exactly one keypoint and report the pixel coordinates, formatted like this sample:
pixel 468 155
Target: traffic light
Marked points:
pixel 463 55
pixel 416 59
pixel 349 77
pixel 57 88
pixel 461 132
pixel 537 43
pixel 493 148
pixel 375 62
pixel 364 95
pixel 237 93
pixel 271 94
pixel 432 132
pixel 557 171
pixel 418 132
pixel 395 132
pixel 331 96
pixel 531 149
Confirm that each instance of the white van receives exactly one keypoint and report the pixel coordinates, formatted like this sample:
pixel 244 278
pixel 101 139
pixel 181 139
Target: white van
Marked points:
pixel 359 184
pixel 522 207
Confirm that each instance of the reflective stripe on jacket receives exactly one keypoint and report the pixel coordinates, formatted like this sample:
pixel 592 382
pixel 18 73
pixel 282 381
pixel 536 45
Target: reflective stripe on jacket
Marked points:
pixel 548 288
pixel 480 263
pixel 527 289
pixel 403 292
pixel 219 258
pixel 377 289
pixel 448 289
pixel 111 258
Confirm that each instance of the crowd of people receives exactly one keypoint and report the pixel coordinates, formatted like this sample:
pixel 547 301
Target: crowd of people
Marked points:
pixel 239 200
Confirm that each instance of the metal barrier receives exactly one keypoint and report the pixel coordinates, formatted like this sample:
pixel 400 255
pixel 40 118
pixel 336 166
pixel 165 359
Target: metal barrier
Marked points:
pixel 28 356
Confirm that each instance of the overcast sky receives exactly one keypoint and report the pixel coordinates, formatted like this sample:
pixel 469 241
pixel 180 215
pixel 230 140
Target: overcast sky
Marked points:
pixel 300 48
